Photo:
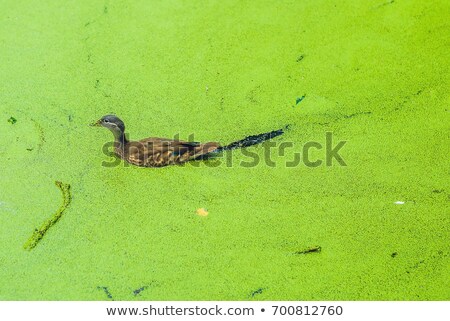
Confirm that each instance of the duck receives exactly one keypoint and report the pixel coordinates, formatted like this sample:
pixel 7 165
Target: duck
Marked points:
pixel 159 152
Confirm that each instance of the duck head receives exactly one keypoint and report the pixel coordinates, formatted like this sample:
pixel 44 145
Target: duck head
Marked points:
pixel 114 124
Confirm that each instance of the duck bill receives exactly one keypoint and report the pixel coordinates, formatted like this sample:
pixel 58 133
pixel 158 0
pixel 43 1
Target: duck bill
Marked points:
pixel 96 124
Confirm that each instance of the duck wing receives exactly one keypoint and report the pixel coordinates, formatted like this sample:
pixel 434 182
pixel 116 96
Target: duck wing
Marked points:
pixel 156 152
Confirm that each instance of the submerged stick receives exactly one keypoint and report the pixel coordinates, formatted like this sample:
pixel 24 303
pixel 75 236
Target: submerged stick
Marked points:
pixel 38 234
pixel 314 249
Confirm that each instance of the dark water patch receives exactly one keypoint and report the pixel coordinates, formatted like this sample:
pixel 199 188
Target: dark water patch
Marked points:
pixel 357 114
pixel 408 98
pixel 430 260
pixel 385 4
pixel 254 139
pixel 329 118
pixel 89 23
pixel 41 133
pixel 252 95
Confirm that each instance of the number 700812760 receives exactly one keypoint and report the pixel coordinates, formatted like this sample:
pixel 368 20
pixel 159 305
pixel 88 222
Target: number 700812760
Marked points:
pixel 307 310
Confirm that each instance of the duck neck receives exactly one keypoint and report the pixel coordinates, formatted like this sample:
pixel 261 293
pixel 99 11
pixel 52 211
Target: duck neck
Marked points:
pixel 120 137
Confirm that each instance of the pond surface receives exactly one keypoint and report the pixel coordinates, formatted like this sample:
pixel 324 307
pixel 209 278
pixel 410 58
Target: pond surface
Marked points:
pixel 252 224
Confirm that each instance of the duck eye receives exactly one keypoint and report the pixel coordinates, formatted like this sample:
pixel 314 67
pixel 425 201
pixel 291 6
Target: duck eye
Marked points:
pixel 106 121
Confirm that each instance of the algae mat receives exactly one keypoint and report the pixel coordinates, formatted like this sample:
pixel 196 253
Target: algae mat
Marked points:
pixel 373 73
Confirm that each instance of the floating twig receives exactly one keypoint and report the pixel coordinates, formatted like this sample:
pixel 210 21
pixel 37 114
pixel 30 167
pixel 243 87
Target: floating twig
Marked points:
pixel 38 234
pixel 314 249
pixel 105 289
pixel 299 99
pixel 256 292
pixel 12 120
pixel 137 291
pixel 300 58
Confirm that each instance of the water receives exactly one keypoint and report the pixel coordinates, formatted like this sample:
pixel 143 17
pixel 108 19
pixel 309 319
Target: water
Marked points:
pixel 371 73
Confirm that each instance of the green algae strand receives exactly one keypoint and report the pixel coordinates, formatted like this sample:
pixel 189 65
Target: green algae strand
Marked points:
pixel 38 234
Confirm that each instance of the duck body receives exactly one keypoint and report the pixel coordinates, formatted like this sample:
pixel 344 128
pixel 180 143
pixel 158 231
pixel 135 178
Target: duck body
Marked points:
pixel 158 152
pixel 153 151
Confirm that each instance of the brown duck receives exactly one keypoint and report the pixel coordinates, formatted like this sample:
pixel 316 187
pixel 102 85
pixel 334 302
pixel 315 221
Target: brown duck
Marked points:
pixel 157 152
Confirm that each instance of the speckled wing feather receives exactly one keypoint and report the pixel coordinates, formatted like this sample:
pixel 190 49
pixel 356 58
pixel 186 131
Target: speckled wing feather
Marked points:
pixel 157 152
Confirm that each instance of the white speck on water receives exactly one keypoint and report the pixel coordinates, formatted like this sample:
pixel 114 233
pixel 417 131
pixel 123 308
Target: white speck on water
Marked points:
pixel 5 208
pixel 399 202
